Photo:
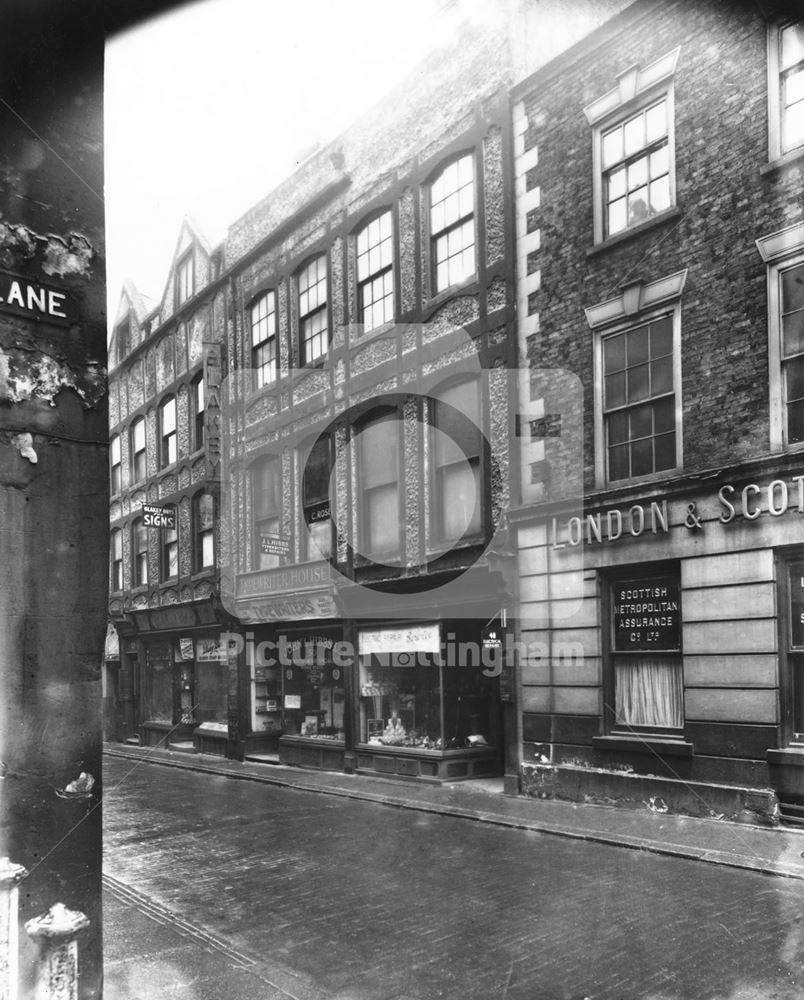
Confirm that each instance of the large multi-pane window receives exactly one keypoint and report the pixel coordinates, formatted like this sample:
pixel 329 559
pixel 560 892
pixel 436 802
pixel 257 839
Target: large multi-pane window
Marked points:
pixel 457 445
pixel 791 85
pixel 375 272
pixel 378 443
pixel 167 432
pixel 635 155
pixel 313 322
pixel 137 449
pixel 791 321
pixel 316 503
pixel 185 278
pixel 169 553
pixel 452 223
pixel 204 530
pixel 139 553
pixel 267 506
pixel 116 461
pixel 116 549
pixel 262 317
pixel 639 404
pixel 197 401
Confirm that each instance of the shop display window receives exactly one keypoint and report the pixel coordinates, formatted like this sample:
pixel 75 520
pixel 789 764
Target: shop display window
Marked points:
pixel 313 692
pixel 423 694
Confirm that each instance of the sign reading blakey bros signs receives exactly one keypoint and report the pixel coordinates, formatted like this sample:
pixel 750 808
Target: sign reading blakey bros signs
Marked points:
pixel 33 300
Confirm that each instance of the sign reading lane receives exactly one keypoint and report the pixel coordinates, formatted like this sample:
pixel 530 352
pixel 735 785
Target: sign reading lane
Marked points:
pixel 158 517
pixel 33 299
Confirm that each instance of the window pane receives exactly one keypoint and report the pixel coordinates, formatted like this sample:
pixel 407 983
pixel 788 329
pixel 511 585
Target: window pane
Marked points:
pixel 207 549
pixel 617 217
pixel 641 421
pixel 665 450
pixel 795 379
pixel 794 87
pixel 614 353
pixel 615 390
pixel 661 337
pixel 320 543
pixel 656 121
pixel 661 376
pixel 634 134
pixel 317 473
pixel 169 416
pixel 460 499
pixel 793 125
pixel 649 692
pixel 638 206
pixel 617 183
pixel 795 422
pixel 792 38
pixel 618 462
pixel 618 427
pixel 637 345
pixel 457 419
pixel 793 289
pixel 664 415
pixel 660 161
pixel 638 383
pixel 638 173
pixel 378 452
pixel 382 514
pixel 612 146
pixel 660 195
pixel 793 333
pixel 642 457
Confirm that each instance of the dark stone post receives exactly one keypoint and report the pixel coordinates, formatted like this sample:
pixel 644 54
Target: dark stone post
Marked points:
pixel 53 463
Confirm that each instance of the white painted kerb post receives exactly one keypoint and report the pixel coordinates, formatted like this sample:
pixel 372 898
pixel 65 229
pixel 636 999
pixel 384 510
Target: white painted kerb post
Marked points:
pixel 57 970
pixel 10 877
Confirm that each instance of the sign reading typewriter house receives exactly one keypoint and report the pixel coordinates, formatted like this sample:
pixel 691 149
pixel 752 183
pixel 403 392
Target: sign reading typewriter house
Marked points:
pixel 36 301
pixel 646 614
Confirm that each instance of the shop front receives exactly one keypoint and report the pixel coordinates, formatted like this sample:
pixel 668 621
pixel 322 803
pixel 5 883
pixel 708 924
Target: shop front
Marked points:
pixel 661 647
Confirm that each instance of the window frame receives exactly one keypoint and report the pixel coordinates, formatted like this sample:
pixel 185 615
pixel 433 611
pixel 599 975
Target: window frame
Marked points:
pixel 271 337
pixel 439 538
pixel 199 534
pixel 115 464
pixel 198 395
pixel 639 304
pixel 316 506
pixel 389 269
pixel 139 555
pixel 116 560
pixel 168 541
pixel 311 314
pixel 639 573
pixel 780 251
pixel 185 278
pixel 165 439
pixel 123 338
pixel 365 554
pixel 637 89
pixel 434 235
pixel 261 515
pixel 776 145
pixel 141 454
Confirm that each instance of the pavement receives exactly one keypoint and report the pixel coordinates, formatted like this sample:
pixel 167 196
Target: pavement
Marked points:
pixel 295 885
pixel 771 850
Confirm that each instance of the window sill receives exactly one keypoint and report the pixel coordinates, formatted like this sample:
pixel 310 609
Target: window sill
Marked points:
pixel 612 241
pixel 785 160
pixel 659 745
pixel 790 756
pixel 438 300
pixel 653 477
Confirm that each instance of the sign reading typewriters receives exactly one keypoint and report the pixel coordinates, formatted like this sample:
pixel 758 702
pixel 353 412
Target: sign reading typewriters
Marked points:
pixel 646 613
pixel 158 517
pixel 273 545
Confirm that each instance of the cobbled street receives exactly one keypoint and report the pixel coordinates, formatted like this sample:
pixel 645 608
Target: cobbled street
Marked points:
pixel 347 900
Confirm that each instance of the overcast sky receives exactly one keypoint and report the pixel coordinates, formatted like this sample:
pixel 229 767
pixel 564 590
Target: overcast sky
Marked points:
pixel 208 108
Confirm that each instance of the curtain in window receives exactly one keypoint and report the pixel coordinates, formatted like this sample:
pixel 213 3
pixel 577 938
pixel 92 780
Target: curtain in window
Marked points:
pixel 649 692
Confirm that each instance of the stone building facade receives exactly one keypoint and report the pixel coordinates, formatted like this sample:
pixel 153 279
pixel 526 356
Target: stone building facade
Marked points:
pixel 168 684
pixel 660 224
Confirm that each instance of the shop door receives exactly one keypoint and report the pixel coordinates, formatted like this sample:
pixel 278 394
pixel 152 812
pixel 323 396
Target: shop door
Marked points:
pixel 184 697
pixel 792 679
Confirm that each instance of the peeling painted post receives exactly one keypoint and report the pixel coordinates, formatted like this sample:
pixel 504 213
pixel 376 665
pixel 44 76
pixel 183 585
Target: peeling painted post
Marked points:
pixel 55 933
pixel 10 877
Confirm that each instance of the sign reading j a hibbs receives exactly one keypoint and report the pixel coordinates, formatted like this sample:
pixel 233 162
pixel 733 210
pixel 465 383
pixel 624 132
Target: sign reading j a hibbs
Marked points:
pixel 37 301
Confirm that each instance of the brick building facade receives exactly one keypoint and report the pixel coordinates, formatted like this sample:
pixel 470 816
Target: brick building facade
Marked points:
pixel 659 168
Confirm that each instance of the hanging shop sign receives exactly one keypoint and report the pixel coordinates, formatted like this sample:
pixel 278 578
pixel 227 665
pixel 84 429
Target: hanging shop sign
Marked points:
pixel 646 614
pixel 731 504
pixel 154 516
pixel 36 301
